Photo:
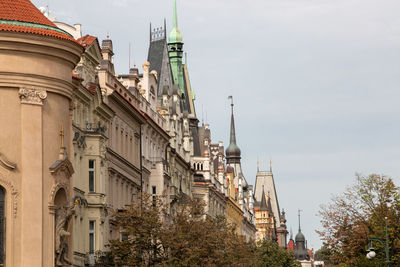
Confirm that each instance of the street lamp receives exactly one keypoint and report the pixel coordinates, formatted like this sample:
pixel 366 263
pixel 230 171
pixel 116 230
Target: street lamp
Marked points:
pixel 371 251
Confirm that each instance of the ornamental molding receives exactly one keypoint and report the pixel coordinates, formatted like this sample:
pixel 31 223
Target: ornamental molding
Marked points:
pixel 6 163
pixel 32 96
pixel 10 188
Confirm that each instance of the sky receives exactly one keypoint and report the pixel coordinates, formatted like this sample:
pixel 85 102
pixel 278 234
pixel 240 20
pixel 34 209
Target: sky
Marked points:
pixel 315 83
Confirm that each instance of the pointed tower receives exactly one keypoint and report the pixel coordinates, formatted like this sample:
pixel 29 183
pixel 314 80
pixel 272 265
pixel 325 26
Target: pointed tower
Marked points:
pixel 233 151
pixel 175 46
pixel 300 251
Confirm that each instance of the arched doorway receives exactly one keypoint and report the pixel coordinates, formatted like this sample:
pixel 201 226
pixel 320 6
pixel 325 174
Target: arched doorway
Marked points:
pixel 2 226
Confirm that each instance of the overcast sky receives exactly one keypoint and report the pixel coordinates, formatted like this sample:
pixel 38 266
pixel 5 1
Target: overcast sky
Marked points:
pixel 315 83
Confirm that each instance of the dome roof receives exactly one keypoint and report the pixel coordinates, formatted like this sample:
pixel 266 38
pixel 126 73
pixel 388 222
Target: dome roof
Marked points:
pixel 175 36
pixel 233 151
pixel 300 237
pixel 23 16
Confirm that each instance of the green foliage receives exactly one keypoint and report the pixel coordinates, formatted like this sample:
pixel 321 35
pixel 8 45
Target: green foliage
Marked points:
pixel 186 238
pixel 359 214
pixel 269 254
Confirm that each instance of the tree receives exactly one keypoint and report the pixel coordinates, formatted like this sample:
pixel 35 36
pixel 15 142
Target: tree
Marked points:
pixel 188 237
pixel 142 228
pixel 359 214
pixel 269 254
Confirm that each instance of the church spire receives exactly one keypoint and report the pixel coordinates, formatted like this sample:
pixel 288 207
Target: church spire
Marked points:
pixel 263 204
pixel 175 16
pixel 233 151
pixel 175 36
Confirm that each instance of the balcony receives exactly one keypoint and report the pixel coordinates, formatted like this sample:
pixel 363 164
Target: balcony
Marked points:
pixel 95 128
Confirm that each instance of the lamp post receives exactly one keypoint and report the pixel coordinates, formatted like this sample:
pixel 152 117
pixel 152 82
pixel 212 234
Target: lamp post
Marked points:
pixel 371 252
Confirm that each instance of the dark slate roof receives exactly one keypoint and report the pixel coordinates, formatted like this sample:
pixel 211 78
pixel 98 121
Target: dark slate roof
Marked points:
pixel 196 141
pixel 263 203
pixel 156 55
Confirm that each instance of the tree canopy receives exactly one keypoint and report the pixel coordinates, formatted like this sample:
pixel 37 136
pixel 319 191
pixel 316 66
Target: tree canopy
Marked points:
pixel 359 214
pixel 152 237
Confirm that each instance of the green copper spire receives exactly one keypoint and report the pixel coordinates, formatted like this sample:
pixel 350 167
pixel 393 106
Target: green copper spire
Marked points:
pixel 175 48
pixel 175 36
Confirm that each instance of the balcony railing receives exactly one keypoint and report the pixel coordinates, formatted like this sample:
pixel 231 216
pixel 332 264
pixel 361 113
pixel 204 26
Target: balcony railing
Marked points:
pixel 95 128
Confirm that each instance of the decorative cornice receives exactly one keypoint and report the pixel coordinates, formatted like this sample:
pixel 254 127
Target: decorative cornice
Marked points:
pixel 32 96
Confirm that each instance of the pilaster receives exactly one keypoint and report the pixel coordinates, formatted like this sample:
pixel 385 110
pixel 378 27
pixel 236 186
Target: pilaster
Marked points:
pixel 32 176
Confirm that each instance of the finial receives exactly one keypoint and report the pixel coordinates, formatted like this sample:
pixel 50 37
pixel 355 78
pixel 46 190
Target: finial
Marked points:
pixel 231 98
pixel 270 165
pixel 165 29
pixel 62 153
pixel 258 164
pixel 150 34
pixel 108 35
pixel 175 16
pixel 186 59
pixel 62 136
pixel 299 219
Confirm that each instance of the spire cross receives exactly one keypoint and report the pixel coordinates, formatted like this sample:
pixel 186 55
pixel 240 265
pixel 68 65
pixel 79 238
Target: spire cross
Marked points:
pixel 62 135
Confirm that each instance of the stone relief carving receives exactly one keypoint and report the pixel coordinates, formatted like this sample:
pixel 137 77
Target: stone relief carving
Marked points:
pixel 32 96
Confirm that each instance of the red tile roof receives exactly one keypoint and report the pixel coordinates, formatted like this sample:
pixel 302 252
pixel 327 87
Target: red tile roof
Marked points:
pixel 22 10
pixel 290 245
pixel 87 40
pixel 23 16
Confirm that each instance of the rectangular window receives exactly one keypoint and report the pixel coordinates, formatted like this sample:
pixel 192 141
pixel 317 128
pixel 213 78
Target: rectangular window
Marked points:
pixel 92 229
pixel 91 176
pixel 154 191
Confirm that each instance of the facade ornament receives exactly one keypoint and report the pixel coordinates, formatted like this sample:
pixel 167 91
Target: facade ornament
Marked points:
pixel 63 218
pixel 32 96
pixel 6 163
pixel 9 187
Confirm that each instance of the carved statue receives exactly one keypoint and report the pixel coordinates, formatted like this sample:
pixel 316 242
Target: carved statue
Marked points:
pixel 63 218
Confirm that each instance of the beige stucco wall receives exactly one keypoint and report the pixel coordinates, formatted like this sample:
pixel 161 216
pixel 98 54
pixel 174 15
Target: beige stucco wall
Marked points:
pixel 30 139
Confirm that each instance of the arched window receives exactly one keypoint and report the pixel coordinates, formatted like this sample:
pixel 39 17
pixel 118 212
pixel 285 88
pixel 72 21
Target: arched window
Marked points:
pixel 2 226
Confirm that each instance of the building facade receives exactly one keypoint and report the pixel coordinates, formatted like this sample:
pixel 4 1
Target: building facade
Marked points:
pixel 36 151
pixel 265 188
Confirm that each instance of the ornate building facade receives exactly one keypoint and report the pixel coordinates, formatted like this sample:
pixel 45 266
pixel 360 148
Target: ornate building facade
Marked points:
pixel 265 189
pixel 243 191
pixel 84 142
pixel 36 150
